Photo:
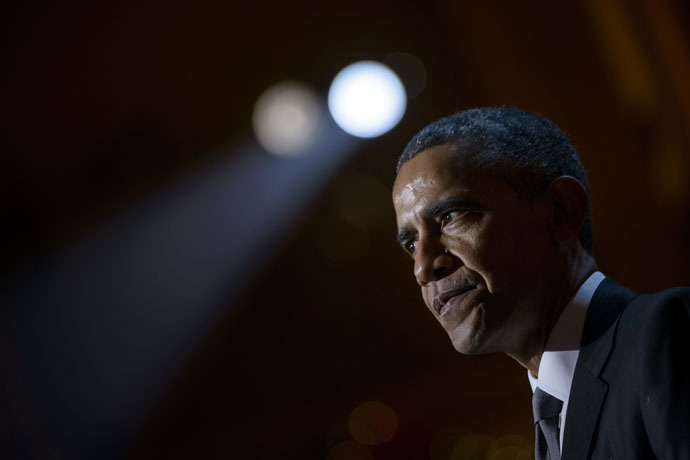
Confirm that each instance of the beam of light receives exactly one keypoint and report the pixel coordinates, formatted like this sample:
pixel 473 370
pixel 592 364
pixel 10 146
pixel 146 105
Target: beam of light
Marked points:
pixel 99 330
pixel 286 118
pixel 367 99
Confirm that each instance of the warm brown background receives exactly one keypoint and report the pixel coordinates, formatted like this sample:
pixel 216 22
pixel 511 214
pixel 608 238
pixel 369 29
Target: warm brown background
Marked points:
pixel 105 103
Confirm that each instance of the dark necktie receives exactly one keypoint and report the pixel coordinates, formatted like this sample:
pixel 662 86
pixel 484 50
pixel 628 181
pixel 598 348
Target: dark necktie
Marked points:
pixel 546 411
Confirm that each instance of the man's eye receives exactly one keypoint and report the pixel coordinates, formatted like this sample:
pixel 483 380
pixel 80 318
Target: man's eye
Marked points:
pixel 410 246
pixel 450 216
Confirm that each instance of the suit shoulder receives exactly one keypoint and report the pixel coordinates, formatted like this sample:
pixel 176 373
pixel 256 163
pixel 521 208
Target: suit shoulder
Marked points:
pixel 664 305
pixel 656 328
pixel 648 373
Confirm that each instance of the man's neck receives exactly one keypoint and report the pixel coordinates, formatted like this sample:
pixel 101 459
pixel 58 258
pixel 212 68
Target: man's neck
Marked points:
pixel 582 268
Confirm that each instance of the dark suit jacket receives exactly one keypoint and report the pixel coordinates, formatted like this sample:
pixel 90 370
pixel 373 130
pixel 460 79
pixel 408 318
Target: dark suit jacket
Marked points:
pixel 630 397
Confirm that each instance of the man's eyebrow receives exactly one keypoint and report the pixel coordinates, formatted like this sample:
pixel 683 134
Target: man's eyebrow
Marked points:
pixel 450 203
pixel 404 235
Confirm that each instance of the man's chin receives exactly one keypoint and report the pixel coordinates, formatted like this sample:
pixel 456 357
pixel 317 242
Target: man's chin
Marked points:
pixel 468 345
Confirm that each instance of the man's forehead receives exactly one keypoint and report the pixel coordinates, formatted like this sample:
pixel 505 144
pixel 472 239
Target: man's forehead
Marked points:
pixel 436 157
pixel 435 168
pixel 407 192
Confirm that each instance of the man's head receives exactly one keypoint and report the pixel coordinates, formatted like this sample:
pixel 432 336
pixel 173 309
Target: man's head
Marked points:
pixel 523 148
pixel 491 205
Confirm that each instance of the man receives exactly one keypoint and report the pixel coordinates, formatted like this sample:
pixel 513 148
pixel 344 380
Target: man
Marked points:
pixel 493 207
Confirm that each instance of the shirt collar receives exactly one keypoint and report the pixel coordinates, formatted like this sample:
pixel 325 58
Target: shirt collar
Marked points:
pixel 557 364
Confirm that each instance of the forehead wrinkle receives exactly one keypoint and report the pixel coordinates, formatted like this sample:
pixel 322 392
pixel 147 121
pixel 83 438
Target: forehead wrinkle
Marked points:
pixel 414 189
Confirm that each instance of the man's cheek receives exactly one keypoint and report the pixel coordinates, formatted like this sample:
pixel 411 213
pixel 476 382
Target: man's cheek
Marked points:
pixel 427 299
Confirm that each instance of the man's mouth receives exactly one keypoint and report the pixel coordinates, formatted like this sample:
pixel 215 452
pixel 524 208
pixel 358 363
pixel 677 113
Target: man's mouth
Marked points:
pixel 442 302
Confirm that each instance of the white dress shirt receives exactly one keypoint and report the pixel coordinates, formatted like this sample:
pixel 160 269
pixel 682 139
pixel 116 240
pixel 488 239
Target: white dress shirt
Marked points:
pixel 557 364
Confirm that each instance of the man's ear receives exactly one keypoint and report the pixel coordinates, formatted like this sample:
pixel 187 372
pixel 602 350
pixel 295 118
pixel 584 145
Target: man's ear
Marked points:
pixel 570 203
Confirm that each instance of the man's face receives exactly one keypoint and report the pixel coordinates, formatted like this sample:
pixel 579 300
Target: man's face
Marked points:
pixel 483 254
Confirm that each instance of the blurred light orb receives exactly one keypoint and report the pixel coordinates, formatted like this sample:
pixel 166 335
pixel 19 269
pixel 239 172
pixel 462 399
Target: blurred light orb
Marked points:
pixel 286 118
pixel 367 99
pixel 411 71
pixel 473 446
pixel 510 447
pixel 362 201
pixel 350 450
pixel 373 423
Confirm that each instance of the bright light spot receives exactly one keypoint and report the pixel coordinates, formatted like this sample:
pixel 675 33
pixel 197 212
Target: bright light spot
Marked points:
pixel 367 99
pixel 286 118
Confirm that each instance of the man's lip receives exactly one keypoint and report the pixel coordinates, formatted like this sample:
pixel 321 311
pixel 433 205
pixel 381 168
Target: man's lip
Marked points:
pixel 441 299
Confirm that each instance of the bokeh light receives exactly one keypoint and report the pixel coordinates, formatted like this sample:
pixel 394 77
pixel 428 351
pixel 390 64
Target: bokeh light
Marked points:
pixel 373 423
pixel 363 201
pixel 510 453
pixel 286 118
pixel 367 99
pixel 510 447
pixel 337 434
pixel 473 446
pixel 411 71
pixel 454 443
pixel 350 450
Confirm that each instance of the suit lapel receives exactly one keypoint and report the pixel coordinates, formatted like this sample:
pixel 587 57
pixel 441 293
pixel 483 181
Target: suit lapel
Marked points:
pixel 588 391
pixel 584 405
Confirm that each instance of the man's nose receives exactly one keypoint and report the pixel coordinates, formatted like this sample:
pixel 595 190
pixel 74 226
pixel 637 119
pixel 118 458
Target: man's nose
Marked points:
pixel 432 262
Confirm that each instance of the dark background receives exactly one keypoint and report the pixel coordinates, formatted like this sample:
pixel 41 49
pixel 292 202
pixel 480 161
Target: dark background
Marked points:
pixel 106 103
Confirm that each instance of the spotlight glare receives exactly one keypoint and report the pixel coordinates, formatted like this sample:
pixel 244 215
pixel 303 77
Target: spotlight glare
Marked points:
pixel 367 99
pixel 286 118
